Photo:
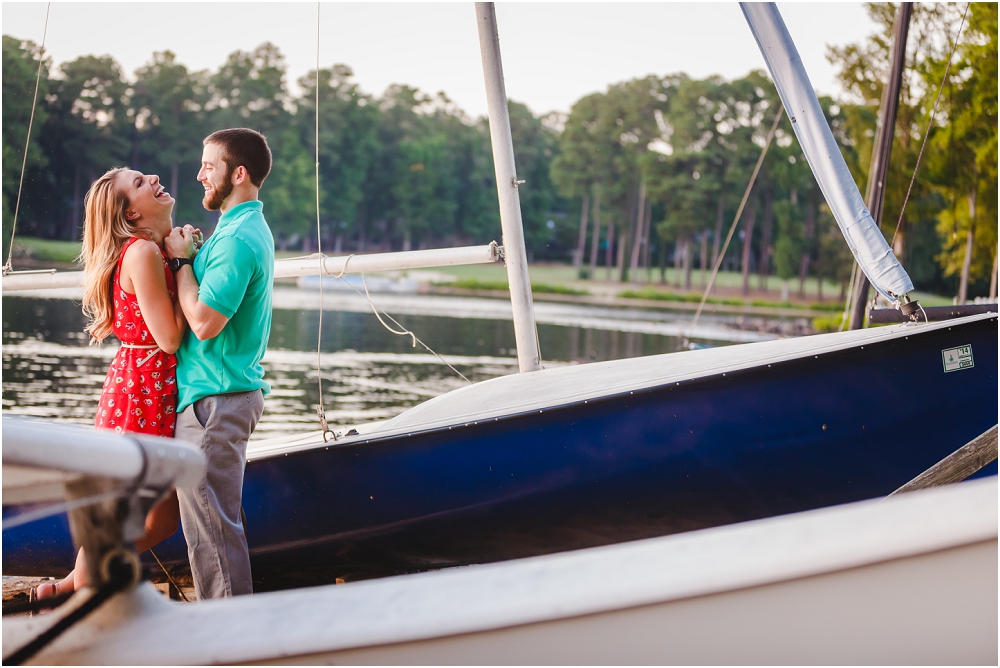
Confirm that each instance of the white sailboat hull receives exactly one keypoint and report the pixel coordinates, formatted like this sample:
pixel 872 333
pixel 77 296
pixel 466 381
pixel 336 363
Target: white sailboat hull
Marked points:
pixel 911 579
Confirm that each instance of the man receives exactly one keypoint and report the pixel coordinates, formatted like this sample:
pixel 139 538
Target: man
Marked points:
pixel 225 294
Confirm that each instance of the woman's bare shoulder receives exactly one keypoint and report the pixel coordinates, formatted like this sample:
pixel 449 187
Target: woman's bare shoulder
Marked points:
pixel 143 251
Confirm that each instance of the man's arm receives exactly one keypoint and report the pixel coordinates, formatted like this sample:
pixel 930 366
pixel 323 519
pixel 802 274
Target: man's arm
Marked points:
pixel 205 322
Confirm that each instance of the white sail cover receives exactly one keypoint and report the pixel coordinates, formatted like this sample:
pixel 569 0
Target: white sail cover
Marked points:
pixel 870 249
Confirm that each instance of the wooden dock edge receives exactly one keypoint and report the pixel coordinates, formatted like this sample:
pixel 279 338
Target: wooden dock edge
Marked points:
pixel 959 465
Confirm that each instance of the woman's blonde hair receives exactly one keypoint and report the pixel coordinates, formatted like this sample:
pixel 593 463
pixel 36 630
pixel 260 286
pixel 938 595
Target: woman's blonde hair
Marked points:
pixel 105 231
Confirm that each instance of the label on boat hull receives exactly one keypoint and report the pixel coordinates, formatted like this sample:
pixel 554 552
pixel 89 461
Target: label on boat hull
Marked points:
pixel 955 359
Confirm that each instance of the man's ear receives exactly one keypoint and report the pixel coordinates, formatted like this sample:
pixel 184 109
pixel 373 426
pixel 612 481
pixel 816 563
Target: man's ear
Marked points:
pixel 240 175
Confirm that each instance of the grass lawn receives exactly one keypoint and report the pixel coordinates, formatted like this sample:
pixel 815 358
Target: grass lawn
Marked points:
pixel 45 250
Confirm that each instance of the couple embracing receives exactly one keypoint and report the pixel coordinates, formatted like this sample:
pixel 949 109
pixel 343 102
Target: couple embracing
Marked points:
pixel 193 321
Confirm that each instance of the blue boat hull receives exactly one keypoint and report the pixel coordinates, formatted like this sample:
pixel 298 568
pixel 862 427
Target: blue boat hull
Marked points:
pixel 763 441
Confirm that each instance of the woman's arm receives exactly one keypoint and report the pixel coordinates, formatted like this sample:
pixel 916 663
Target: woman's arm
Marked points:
pixel 142 270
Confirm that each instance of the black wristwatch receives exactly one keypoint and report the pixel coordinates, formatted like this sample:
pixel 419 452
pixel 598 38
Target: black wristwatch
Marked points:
pixel 175 263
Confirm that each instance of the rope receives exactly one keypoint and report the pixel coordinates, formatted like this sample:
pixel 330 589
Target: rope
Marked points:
pixel 321 408
pixel 739 212
pixel 169 578
pixel 930 124
pixel 27 140
pixel 402 330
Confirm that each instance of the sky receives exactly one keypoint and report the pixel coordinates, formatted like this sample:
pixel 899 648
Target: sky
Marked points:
pixel 553 53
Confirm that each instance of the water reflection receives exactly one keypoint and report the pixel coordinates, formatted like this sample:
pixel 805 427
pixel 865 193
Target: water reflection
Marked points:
pixel 368 373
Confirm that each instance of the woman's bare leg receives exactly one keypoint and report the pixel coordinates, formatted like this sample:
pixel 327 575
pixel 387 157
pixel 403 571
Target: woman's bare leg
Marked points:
pixel 161 523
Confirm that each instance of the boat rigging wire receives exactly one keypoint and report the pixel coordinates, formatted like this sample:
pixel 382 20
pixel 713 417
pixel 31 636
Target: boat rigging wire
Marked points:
pixel 739 212
pixel 320 408
pixel 930 124
pixel 27 140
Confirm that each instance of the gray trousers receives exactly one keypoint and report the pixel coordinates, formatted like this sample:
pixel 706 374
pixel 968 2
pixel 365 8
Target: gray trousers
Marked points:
pixel 220 425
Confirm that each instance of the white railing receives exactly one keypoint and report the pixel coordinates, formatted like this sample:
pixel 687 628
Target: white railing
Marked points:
pixel 305 266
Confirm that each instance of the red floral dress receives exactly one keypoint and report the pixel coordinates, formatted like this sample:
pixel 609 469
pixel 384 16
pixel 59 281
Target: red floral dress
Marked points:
pixel 140 390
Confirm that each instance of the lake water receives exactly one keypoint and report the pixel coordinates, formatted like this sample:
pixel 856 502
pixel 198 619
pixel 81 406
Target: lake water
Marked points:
pixel 368 373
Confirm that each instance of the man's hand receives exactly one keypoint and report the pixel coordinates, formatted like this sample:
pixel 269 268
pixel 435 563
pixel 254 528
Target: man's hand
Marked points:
pixel 196 236
pixel 180 242
pixel 204 321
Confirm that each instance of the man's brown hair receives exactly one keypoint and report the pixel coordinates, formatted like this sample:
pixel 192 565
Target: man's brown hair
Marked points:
pixel 243 146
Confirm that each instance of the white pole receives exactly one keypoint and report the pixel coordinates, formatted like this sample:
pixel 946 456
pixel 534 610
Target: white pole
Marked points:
pixel 528 355
pixel 360 264
pixel 332 266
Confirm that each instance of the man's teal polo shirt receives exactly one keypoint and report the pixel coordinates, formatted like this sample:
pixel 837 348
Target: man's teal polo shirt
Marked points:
pixel 235 272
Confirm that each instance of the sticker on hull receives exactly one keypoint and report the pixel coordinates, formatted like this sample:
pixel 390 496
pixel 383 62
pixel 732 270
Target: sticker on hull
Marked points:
pixel 956 359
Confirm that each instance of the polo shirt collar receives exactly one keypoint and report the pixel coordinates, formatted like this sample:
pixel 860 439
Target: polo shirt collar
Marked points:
pixel 239 210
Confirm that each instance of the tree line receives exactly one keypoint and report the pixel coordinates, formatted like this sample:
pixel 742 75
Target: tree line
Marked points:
pixel 642 176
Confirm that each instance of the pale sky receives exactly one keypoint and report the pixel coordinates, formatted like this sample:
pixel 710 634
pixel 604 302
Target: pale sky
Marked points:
pixel 553 53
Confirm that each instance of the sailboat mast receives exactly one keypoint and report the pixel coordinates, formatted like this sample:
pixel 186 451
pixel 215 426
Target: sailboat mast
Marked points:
pixel 528 355
pixel 882 149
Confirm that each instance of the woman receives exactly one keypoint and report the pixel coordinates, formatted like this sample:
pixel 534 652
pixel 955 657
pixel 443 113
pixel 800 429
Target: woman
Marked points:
pixel 130 292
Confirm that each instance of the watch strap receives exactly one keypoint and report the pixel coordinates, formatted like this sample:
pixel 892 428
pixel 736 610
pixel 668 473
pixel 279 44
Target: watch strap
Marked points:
pixel 175 263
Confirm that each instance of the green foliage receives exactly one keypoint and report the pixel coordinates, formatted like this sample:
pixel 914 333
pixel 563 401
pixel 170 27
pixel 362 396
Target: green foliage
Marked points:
pixel 20 67
pixel 960 160
pixel 829 323
pixel 651 293
pixel 47 250
pixel 692 298
pixel 538 288
pixel 405 169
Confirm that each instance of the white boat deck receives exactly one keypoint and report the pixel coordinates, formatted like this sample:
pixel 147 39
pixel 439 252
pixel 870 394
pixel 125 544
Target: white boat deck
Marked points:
pixel 549 388
pixel 909 579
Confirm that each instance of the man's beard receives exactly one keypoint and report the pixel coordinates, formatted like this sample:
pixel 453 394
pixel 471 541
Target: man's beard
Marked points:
pixel 215 197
